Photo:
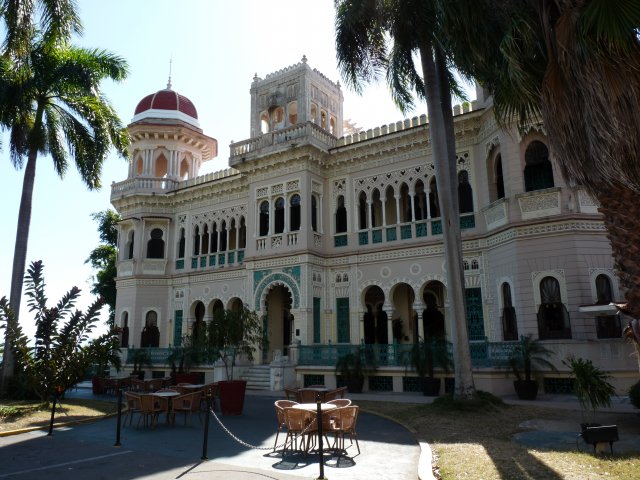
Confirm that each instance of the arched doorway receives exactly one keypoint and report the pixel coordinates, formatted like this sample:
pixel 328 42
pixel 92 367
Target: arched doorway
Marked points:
pixel 278 323
pixel 432 316
pixel 375 320
pixel 404 324
pixel 199 330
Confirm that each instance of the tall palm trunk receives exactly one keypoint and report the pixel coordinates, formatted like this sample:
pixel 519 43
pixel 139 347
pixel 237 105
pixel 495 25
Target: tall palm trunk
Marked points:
pixel 443 152
pixel 19 259
pixel 618 205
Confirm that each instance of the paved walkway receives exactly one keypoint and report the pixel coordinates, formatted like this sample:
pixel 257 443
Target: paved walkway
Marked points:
pixel 388 451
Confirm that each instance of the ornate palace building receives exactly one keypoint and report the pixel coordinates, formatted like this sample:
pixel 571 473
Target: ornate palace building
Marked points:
pixel 334 238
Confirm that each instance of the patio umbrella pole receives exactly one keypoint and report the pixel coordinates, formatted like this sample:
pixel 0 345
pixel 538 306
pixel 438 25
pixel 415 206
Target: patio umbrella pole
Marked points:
pixel 320 445
pixel 117 444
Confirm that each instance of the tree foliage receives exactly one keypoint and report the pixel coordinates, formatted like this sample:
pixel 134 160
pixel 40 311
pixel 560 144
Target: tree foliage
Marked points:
pixel 234 332
pixel 103 259
pixel 61 350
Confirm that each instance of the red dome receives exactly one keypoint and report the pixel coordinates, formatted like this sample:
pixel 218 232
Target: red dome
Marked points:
pixel 167 100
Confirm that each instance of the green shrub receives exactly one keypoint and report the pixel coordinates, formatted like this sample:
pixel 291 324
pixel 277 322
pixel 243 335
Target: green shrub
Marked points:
pixel 483 402
pixel 634 394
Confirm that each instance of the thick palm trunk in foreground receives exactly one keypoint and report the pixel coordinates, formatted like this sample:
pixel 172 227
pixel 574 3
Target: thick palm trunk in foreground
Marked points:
pixel 443 154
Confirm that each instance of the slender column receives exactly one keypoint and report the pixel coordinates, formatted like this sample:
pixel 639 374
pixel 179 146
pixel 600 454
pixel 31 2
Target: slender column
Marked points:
pixel 383 203
pixel 369 214
pixel 428 202
pixel 398 217
pixel 388 308
pixel 413 206
pixel 419 308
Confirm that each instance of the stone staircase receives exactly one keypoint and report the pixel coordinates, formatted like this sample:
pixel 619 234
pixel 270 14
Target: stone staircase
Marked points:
pixel 258 377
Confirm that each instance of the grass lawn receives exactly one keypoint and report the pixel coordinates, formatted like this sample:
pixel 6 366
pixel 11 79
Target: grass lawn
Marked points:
pixel 15 415
pixel 477 444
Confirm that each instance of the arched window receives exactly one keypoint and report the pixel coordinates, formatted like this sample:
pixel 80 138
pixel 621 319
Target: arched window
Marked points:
pixel 124 337
pixel 139 166
pixel 538 173
pixel 465 194
pixel 223 236
pixel 130 245
pixel 332 125
pixel 181 244
pixel 607 326
pixel 264 122
pixel 420 201
pixel 292 109
pixel 314 213
pixel 313 113
pixel 150 335
pixel 553 317
pixel 205 240
pixel 509 322
pixel 499 178
pixel 264 218
pixel 214 238
pixel 294 213
pixel 199 326
pixel 184 169
pixel 376 209
pixel 434 202
pixel 278 226
pixel 405 203
pixel 196 241
pixel 233 239
pixel 362 211
pixel 391 217
pixel 341 216
pixel 242 240
pixel 160 166
pixel 155 245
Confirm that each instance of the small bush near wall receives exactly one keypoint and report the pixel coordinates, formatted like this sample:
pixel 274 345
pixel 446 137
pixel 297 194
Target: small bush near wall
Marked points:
pixel 313 380
pixel 558 385
pixel 380 384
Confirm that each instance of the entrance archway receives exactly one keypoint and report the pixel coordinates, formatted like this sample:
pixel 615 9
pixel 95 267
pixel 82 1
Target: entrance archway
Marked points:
pixel 375 320
pixel 405 327
pixel 278 322
pixel 433 323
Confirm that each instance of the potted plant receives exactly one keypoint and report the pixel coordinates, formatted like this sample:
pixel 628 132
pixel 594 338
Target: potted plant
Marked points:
pixel 424 357
pixel 232 333
pixel 141 359
pixel 590 384
pixel 105 350
pixel 182 358
pixel 634 394
pixel 354 365
pixel 528 355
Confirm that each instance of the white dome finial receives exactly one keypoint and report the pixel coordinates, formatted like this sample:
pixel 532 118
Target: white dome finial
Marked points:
pixel 169 82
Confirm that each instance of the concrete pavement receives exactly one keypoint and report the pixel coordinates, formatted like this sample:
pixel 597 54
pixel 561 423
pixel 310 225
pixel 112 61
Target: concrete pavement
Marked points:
pixel 388 451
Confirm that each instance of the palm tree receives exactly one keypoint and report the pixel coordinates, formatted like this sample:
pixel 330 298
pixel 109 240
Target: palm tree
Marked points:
pixel 576 65
pixel 58 20
pixel 52 97
pixel 376 36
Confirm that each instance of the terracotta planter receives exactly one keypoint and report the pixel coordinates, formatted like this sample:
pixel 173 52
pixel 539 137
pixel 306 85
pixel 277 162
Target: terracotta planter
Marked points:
pixel 430 386
pixel 526 389
pixel 97 385
pixel 187 378
pixel 232 396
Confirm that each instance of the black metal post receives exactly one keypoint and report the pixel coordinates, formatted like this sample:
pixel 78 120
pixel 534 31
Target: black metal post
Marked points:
pixel 53 412
pixel 320 444
pixel 205 441
pixel 118 444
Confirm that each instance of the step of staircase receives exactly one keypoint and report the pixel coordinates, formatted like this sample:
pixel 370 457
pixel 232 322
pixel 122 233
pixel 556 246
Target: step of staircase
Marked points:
pixel 258 377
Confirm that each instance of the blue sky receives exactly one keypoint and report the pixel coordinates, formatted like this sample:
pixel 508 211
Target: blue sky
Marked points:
pixel 217 46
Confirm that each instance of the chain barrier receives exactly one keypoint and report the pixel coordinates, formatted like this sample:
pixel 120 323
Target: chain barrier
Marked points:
pixel 255 447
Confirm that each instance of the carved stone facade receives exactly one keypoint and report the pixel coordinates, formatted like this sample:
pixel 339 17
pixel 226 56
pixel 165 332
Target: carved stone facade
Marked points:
pixel 324 234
